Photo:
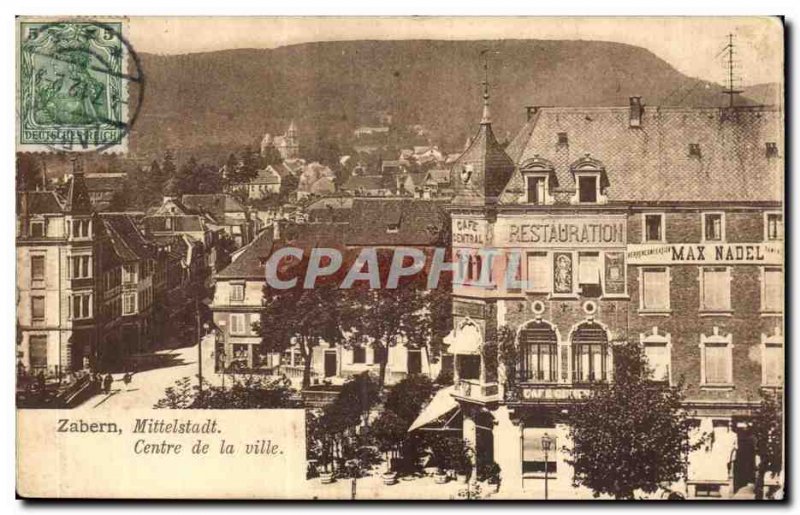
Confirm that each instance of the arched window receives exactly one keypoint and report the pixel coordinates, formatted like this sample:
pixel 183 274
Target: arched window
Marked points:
pixel 589 353
pixel 538 353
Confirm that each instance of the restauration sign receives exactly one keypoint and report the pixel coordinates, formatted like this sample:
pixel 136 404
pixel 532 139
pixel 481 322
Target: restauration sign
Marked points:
pixel 565 231
pixel 770 253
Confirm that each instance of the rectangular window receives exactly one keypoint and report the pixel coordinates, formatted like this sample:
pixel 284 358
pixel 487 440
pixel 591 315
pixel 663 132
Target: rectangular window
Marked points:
pixel 128 303
pixel 539 450
pixel 129 273
pixel 774 226
pixel 37 268
pixel 37 352
pixel 414 364
pixel 237 292
pixel 707 491
pixel 539 272
pixel 653 227
pixel 81 267
pixel 655 289
pixel 237 323
pixel 81 306
pixel 589 274
pixel 716 292
pixel 37 309
pixel 773 365
pixel 359 355
pixel 536 190
pixel 717 363
pixel 773 290
pixel 80 228
pixel 713 226
pixel 587 190
pixel 37 229
pixel 658 359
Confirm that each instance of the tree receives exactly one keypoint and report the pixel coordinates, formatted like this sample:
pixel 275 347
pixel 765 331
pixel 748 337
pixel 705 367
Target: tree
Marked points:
pixel 631 434
pixel 30 175
pixel 767 440
pixel 300 316
pixel 407 397
pixel 207 179
pixel 247 392
pixel 168 166
pixel 186 176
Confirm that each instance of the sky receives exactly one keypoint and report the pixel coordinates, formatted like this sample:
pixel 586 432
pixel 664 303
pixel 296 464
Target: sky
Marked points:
pixel 693 45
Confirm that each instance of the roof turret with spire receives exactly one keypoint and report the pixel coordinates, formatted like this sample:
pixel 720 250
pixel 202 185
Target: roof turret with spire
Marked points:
pixel 77 199
pixel 482 171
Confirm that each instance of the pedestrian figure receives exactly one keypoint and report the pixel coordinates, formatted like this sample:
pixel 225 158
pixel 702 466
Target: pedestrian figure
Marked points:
pixel 127 378
pixel 107 383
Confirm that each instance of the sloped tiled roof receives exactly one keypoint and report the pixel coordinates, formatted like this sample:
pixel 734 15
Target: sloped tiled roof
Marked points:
pixel 182 223
pixel 251 261
pixel 77 197
pixel 40 202
pixel 489 169
pixel 412 222
pixel 652 163
pixel 368 182
pixel 128 242
pixel 216 204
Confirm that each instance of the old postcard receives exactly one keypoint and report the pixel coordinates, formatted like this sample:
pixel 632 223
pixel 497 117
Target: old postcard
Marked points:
pixel 400 258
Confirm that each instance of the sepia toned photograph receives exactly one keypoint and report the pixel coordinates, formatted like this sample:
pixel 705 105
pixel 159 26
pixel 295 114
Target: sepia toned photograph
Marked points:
pixel 400 258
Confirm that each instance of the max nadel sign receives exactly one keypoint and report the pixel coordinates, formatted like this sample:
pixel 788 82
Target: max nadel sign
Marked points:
pixel 705 253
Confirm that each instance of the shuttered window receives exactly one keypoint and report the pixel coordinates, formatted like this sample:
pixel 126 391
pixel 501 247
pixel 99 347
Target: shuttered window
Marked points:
pixel 37 352
pixel 773 289
pixel 716 294
pixel 655 289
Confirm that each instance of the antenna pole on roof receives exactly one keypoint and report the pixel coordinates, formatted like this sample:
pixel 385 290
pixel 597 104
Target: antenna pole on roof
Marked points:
pixel 730 91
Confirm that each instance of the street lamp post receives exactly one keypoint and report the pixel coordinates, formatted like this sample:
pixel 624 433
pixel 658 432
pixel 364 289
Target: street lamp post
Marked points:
pixel 547 443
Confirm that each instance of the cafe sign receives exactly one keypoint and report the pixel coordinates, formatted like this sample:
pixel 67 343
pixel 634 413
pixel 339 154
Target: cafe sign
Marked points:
pixel 470 232
pixel 705 254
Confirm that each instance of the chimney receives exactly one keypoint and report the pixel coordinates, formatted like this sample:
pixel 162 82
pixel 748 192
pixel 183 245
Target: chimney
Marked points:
pixel 530 112
pixel 636 109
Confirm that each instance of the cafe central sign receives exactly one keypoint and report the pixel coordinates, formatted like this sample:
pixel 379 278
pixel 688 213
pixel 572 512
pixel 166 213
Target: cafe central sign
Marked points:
pixel 705 254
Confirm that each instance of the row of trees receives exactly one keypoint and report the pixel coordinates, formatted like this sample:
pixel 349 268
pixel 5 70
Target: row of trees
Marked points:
pixel 380 318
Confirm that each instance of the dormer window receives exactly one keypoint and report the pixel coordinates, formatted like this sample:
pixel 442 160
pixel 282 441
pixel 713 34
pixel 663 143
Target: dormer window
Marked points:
pixel 393 228
pixel 772 149
pixel 37 229
pixel 587 189
pixel 536 189
pixel 694 150
pixel 590 181
pixel 539 178
pixel 563 141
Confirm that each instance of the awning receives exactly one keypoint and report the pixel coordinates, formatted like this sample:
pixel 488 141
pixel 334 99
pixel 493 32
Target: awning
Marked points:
pixel 467 340
pixel 441 404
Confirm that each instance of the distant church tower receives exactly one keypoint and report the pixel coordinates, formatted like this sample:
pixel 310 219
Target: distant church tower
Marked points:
pixel 290 149
pixel 287 145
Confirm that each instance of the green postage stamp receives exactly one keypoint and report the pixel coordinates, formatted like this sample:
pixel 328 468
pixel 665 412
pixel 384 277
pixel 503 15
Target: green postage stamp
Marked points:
pixel 73 80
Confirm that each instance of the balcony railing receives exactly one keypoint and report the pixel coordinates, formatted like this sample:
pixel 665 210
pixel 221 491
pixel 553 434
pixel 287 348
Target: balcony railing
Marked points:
pixel 475 390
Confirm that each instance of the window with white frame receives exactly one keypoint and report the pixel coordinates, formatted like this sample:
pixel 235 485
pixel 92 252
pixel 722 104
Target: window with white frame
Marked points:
pixel 772 290
pixel 657 351
pixel 713 226
pixel 37 309
pixel 37 268
pixel 129 273
pixel 128 303
pixel 654 289
pixel 587 189
pixel 237 292
pixel 773 226
pixel 589 274
pixel 81 267
pixel 81 306
pixel 539 272
pixel 772 364
pixel 715 288
pixel 716 353
pixel 37 229
pixel 536 189
pixel 81 228
pixel 237 323
pixel 653 227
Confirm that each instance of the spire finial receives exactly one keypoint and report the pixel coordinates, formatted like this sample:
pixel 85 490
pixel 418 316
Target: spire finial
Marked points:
pixel 485 119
